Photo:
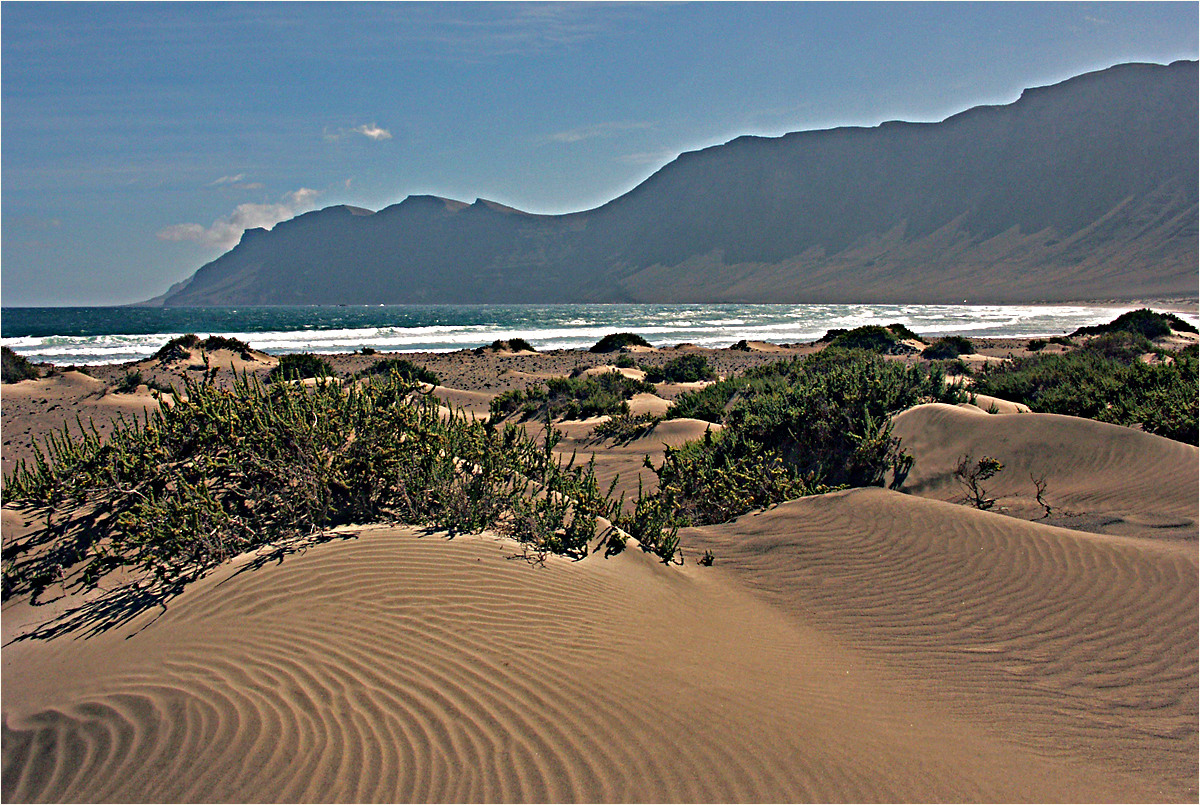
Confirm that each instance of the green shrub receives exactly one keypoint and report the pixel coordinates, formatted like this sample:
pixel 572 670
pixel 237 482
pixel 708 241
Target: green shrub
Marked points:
pixel 625 362
pixel 130 382
pixel 684 369
pixel 900 331
pixel 1106 383
pixel 215 342
pixel 1062 341
pixel 871 337
pixel 709 402
pixel 1036 344
pixel 298 366
pixel 571 397
pixel 511 345
pixel 831 334
pixel 407 370
pixel 792 428
pixel 178 348
pixel 224 470
pixel 520 345
pixel 1122 346
pixel 625 428
pixel 1143 322
pixel 615 341
pixel 15 368
pixel 950 346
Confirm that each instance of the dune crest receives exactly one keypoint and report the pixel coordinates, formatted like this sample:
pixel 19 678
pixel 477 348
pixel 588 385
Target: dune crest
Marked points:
pixel 1099 477
pixel 394 666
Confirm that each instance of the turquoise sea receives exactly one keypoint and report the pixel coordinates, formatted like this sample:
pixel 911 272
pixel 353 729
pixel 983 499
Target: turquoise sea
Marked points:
pixel 91 335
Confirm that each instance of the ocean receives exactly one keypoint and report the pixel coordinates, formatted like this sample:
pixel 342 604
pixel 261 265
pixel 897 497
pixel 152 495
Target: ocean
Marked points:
pixel 96 335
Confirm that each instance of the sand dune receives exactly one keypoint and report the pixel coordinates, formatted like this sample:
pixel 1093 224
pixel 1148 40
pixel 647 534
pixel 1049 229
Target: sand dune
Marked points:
pixel 1099 477
pixel 390 666
pixel 1078 648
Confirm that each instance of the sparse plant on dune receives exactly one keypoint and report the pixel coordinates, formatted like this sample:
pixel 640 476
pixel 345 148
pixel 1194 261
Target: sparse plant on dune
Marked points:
pixel 1039 485
pixel 626 428
pixel 406 370
pixel 971 474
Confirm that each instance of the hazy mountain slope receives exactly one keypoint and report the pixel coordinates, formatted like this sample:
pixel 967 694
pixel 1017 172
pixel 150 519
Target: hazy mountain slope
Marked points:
pixel 1083 189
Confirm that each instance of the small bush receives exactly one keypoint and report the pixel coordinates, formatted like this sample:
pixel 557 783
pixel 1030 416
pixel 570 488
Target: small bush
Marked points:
pixel 512 345
pixel 520 345
pixel 615 341
pixel 626 362
pixel 708 403
pixel 626 427
pixel 215 342
pixel 407 370
pixel 571 397
pixel 870 337
pixel 178 348
pixel 1122 346
pixel 950 346
pixel 831 334
pixel 900 331
pixel 1143 322
pixel 1036 344
pixel 368 351
pixel 1062 341
pixel 130 382
pixel 15 368
pixel 684 369
pixel 971 474
pixel 299 366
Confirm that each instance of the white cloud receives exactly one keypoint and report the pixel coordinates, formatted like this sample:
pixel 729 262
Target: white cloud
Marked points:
pixel 373 132
pixel 369 130
pixel 648 157
pixel 225 232
pixel 227 180
pixel 598 130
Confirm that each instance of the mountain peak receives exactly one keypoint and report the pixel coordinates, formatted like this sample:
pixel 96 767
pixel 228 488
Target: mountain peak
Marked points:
pixel 1084 189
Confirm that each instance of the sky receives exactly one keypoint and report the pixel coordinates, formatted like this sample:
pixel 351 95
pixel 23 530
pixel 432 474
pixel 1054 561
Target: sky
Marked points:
pixel 139 140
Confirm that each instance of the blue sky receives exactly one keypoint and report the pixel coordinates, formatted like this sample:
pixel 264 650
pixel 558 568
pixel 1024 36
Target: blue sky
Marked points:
pixel 138 140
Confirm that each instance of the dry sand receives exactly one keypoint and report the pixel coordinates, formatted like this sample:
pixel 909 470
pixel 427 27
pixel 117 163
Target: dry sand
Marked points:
pixel 857 646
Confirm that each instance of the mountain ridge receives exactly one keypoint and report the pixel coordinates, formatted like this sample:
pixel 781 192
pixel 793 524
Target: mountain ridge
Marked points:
pixel 1086 188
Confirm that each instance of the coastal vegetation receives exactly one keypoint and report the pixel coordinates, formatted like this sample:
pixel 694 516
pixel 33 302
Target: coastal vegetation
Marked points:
pixel 872 337
pixel 223 470
pixel 1106 380
pixel 948 348
pixel 15 368
pixel 404 369
pixel 300 366
pixel 180 347
pixel 684 369
pixel 791 428
pixel 615 341
pixel 571 397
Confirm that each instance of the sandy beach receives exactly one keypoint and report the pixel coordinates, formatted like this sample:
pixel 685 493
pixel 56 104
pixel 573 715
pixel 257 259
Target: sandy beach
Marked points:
pixel 863 645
